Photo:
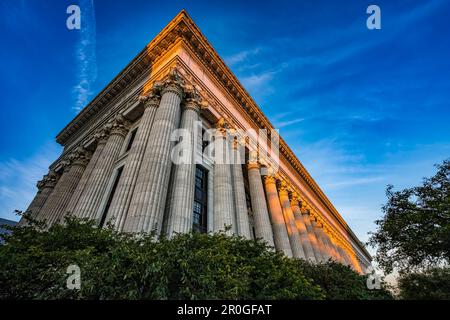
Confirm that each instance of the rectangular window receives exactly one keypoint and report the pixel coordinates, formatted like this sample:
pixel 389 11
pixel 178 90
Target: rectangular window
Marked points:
pixel 200 200
pixel 131 140
pixel 111 196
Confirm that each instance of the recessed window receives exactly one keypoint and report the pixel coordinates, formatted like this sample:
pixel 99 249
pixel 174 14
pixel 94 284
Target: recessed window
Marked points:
pixel 111 196
pixel 131 140
pixel 199 223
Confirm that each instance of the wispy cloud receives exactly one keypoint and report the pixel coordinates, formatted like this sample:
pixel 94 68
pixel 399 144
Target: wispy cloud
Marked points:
pixel 86 56
pixel 241 56
pixel 286 123
pixel 18 179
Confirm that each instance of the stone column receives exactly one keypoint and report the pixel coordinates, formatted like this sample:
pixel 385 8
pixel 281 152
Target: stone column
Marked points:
pixel 344 256
pixel 312 235
pixel 91 197
pixel 242 221
pixel 280 234
pixel 261 220
pixel 181 199
pixel 54 208
pixel 328 243
pixel 294 237
pixel 223 189
pixel 323 246
pixel 45 188
pixel 303 232
pixel 101 138
pixel 149 197
pixel 121 202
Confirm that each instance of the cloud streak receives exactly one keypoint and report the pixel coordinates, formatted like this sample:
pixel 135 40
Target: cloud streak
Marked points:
pixel 85 56
pixel 18 179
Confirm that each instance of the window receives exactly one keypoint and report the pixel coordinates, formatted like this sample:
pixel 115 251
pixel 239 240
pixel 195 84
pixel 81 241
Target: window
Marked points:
pixel 111 196
pixel 200 200
pixel 131 140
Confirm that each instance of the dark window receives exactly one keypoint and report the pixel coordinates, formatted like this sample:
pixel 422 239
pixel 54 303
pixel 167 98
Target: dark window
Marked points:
pixel 111 195
pixel 205 140
pixel 131 140
pixel 200 200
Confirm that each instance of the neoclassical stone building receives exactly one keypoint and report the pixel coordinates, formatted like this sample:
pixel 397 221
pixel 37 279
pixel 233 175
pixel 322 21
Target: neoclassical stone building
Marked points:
pixel 117 163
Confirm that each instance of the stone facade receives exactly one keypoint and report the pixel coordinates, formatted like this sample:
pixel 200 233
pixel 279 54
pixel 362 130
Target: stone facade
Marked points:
pixel 117 164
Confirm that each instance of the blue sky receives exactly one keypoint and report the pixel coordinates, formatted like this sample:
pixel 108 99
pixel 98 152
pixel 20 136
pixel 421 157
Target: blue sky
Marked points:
pixel 361 108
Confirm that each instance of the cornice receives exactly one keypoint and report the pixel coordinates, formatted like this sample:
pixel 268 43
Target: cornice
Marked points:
pixel 182 28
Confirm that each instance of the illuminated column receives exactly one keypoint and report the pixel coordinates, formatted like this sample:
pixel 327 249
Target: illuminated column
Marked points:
pixel 122 198
pixel 294 237
pixel 261 220
pixel 91 197
pixel 280 235
pixel 149 197
pixel 101 138
pixel 223 188
pixel 302 231
pixel 242 223
pixel 322 238
pixel 321 245
pixel 311 234
pixel 329 244
pixel 54 208
pixel 45 188
pixel 181 200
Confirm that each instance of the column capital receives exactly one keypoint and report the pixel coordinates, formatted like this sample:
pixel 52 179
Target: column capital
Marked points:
pixel 253 165
pixel 284 188
pixel 118 125
pixel 270 180
pixel 48 181
pixel 192 103
pixel 79 157
pixel 173 83
pixel 150 100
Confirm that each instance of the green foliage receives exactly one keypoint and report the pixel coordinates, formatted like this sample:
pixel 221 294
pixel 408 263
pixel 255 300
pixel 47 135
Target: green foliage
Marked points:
pixel 33 264
pixel 414 233
pixel 34 260
pixel 340 282
pixel 432 284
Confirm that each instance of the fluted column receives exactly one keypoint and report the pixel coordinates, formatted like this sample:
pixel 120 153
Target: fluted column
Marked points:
pixel 54 208
pixel 101 138
pixel 149 197
pixel 223 189
pixel 181 199
pixel 294 237
pixel 323 247
pixel 280 234
pixel 318 251
pixel 242 222
pixel 343 254
pixel 91 197
pixel 261 220
pixel 45 188
pixel 303 232
pixel 121 202
pixel 328 244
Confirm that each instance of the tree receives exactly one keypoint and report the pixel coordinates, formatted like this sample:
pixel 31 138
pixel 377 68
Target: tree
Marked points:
pixel 431 284
pixel 414 233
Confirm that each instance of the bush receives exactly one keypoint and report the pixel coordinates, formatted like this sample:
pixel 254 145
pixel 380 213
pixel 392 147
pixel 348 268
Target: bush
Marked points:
pixel 433 284
pixel 340 282
pixel 33 264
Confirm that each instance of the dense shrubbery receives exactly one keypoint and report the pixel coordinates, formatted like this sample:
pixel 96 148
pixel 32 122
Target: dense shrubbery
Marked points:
pixel 430 284
pixel 33 264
